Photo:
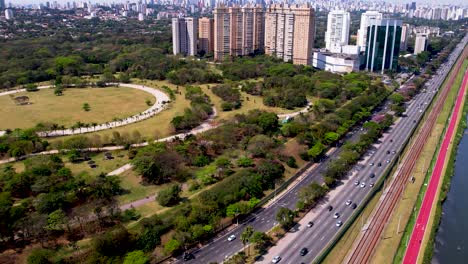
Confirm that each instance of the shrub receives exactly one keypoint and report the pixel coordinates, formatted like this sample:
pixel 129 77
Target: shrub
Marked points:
pixel 169 196
pixel 31 87
pixel 245 162
pixel 291 162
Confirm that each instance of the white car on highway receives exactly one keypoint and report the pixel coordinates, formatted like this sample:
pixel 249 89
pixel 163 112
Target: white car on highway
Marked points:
pixel 231 238
pixel 276 259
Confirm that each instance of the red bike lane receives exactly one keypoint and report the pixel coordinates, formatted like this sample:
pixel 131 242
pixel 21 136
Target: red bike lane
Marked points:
pixel 414 245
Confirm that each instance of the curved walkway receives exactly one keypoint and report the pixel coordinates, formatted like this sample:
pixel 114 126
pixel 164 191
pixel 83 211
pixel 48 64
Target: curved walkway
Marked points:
pixel 161 100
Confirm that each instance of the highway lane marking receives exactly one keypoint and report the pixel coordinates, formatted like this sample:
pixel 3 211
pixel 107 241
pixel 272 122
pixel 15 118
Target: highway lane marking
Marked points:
pixel 322 238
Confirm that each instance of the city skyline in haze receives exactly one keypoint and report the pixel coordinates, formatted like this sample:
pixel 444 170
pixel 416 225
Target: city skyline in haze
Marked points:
pixel 431 2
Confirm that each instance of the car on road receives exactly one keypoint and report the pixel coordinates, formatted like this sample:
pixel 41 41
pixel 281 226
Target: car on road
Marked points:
pixel 388 161
pixel 363 184
pixel 348 202
pixel 339 223
pixel 372 175
pixel 371 164
pixel 393 152
pixel 371 184
pixel 330 208
pixel 391 140
pixel 356 183
pixel 304 251
pixel 310 224
pixel 231 238
pixel 276 259
pixel 336 215
pixel 188 256
pixel 388 151
pixel 353 206
pixel 379 164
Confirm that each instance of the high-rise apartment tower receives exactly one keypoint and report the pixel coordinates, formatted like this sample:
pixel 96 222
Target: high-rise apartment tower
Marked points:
pixel 185 36
pixel 337 33
pixel 238 30
pixel 290 32
pixel 206 34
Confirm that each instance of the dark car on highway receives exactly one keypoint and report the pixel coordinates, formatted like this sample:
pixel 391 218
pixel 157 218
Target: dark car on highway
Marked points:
pixel 304 251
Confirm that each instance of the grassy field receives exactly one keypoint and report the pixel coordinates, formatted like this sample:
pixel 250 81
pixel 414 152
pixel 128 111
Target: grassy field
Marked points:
pixel 156 127
pixel 131 181
pixel 249 102
pixel 387 248
pixel 103 165
pixel 67 109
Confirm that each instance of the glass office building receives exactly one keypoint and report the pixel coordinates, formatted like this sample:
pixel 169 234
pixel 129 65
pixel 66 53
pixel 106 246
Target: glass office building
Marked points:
pixel 383 45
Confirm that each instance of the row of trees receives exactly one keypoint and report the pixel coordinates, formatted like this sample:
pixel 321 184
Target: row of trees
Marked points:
pixel 352 152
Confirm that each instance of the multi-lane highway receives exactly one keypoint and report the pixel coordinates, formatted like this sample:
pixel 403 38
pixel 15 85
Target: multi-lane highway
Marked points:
pixel 325 229
pixel 315 239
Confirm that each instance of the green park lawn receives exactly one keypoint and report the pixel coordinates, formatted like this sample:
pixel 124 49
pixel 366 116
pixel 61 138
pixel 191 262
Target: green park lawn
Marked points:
pixel 158 126
pixel 249 102
pixel 105 103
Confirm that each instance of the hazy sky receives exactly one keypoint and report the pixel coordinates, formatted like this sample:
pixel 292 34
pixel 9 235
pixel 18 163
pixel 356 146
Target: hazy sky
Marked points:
pixel 433 2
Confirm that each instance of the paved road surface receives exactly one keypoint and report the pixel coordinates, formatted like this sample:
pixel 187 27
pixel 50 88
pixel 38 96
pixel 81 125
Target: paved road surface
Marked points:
pixel 412 251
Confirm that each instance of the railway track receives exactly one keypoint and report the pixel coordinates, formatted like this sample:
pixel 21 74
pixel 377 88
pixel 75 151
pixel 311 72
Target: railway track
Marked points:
pixel 369 239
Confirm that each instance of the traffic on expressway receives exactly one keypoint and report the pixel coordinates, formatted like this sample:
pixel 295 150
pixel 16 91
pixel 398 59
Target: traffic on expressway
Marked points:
pixel 361 180
pixel 354 191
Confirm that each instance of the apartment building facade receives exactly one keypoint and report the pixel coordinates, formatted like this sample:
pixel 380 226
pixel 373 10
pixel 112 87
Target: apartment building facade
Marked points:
pixel 238 30
pixel 290 32
pixel 185 36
